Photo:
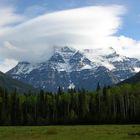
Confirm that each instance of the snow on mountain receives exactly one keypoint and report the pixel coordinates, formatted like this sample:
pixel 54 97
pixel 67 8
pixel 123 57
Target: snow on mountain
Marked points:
pixel 69 67
pixel 122 67
pixel 71 86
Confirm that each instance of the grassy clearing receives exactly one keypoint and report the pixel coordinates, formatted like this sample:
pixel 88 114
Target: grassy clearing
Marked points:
pixel 87 132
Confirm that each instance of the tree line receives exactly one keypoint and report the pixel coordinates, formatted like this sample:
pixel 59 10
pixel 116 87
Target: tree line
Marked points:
pixel 109 105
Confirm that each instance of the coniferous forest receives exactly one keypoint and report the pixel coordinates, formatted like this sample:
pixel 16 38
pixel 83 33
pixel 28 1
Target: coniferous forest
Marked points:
pixel 109 105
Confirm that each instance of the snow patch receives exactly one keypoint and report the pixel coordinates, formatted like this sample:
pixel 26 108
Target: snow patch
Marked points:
pixel 86 67
pixel 137 69
pixel 71 86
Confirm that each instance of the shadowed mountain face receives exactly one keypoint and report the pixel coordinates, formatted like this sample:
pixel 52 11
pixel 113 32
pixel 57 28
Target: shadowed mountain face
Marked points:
pixel 12 84
pixel 69 68
pixel 132 80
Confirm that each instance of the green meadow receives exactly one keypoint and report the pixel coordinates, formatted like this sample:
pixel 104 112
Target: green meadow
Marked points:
pixel 77 132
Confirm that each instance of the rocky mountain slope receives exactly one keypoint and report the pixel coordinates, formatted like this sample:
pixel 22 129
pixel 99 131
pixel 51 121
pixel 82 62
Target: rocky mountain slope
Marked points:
pixel 132 80
pixel 71 68
pixel 12 84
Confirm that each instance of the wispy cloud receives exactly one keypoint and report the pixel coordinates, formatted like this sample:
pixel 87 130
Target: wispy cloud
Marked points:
pixel 9 18
pixel 7 64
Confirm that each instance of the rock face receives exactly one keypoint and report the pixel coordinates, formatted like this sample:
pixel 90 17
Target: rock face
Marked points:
pixel 70 68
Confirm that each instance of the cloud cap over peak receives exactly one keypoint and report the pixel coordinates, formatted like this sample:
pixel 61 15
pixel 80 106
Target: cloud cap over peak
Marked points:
pixel 82 28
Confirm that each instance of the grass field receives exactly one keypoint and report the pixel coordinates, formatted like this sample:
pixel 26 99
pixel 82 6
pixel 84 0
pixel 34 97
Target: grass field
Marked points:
pixel 87 132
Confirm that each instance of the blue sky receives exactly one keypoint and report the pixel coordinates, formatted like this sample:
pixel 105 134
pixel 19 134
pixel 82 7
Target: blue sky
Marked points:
pixel 23 31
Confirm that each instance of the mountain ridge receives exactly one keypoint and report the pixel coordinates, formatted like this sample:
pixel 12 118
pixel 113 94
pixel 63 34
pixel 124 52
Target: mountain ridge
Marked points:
pixel 83 69
pixel 132 80
pixel 11 85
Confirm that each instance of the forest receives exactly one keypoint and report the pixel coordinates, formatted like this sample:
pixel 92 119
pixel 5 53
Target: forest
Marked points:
pixel 108 105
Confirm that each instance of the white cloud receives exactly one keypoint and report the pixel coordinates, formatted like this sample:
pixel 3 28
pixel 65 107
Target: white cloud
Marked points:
pixel 8 18
pixel 7 64
pixel 129 46
pixel 82 28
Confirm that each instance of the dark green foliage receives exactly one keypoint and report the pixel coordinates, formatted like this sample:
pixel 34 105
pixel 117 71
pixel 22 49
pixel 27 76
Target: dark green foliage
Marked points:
pixel 118 104
pixel 98 87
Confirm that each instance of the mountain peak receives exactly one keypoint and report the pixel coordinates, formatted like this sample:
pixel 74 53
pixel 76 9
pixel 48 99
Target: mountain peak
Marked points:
pixel 57 58
pixel 84 68
pixel 64 49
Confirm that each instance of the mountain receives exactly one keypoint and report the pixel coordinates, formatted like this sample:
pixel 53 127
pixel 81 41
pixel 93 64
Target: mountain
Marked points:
pixel 132 80
pixel 12 84
pixel 71 68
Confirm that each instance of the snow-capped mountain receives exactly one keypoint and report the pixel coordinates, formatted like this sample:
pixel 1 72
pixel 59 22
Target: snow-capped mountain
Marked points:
pixel 71 68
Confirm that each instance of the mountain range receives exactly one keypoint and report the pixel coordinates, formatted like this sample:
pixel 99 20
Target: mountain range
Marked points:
pixel 71 68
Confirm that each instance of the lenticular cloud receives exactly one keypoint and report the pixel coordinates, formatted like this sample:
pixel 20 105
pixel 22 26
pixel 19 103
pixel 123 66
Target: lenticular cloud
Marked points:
pixel 87 27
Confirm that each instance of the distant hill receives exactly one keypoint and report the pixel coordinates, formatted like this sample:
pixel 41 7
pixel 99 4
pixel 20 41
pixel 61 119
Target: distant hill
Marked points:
pixel 12 84
pixel 132 80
